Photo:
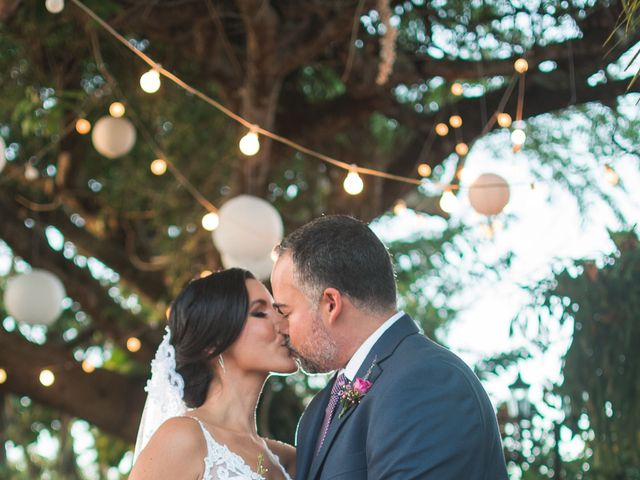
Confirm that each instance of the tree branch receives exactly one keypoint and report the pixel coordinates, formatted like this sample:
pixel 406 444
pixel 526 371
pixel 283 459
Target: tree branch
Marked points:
pixel 109 400
pixel 32 245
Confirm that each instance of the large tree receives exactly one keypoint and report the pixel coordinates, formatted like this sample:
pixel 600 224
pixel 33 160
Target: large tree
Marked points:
pixel 329 75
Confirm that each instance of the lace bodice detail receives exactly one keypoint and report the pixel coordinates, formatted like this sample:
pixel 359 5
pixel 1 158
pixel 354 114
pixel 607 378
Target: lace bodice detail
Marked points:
pixel 223 464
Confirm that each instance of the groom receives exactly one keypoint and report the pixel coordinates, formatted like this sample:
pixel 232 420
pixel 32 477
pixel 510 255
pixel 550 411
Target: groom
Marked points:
pixel 400 406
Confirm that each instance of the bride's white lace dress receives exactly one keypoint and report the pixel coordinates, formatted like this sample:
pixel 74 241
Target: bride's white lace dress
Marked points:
pixel 222 464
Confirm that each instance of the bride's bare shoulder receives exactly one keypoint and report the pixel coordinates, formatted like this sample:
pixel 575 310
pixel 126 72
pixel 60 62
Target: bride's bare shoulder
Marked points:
pixel 178 445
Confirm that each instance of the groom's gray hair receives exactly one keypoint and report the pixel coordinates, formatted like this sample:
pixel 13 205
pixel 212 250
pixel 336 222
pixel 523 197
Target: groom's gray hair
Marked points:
pixel 341 252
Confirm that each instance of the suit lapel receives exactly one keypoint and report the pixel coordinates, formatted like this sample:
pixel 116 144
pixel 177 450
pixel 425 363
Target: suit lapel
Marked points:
pixel 310 429
pixel 372 366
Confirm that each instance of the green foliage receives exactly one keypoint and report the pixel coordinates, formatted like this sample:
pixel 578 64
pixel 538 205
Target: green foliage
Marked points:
pixel 602 366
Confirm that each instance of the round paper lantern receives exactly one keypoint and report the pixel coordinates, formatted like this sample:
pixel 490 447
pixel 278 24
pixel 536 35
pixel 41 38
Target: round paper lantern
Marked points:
pixel 34 297
pixel 113 137
pixel 260 267
pixel 489 194
pixel 3 158
pixel 249 228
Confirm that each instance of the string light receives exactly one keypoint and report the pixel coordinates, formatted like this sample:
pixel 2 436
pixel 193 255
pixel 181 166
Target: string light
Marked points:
pixel 47 378
pixel 462 149
pixel 158 166
pixel 455 121
pixel 150 81
pixel 353 184
pixel 3 376
pixel 83 126
pixel 87 366
pixel 457 89
pixel 610 175
pixel 30 172
pixel 448 201
pixel 133 344
pixel 487 230
pixel 518 137
pixel 250 144
pixel 116 109
pixel 54 6
pixel 205 273
pixel 504 120
pixel 424 170
pixel 400 207
pixel 210 221
pixel 442 129
pixel 521 65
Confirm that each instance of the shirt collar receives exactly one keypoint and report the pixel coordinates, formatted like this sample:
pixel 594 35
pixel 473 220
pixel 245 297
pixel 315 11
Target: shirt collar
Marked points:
pixel 355 363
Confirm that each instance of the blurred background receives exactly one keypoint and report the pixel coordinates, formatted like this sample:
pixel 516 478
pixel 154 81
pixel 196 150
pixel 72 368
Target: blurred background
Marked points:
pixel 492 144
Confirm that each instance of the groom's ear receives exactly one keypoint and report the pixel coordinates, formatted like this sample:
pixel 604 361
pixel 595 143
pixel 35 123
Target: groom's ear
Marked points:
pixel 331 305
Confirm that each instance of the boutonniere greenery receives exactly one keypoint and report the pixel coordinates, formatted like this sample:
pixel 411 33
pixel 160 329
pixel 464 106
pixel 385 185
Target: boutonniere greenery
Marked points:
pixel 352 393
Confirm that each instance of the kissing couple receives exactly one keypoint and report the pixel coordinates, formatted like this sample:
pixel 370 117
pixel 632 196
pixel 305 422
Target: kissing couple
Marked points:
pixel 398 406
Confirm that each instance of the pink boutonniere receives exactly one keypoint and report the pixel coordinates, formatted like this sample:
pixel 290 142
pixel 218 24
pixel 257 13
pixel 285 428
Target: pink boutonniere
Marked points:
pixel 353 393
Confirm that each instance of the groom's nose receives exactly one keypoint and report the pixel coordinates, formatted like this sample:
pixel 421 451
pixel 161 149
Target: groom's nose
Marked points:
pixel 282 325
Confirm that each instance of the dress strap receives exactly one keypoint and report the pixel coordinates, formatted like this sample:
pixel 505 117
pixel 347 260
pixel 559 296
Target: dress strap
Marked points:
pixel 205 432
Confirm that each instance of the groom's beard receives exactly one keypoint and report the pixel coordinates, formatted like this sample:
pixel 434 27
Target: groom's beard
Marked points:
pixel 320 350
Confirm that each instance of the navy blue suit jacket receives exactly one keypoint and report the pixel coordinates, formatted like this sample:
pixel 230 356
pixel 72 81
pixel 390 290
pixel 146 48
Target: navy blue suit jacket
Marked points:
pixel 426 417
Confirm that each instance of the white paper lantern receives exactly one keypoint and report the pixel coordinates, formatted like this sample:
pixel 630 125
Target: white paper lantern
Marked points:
pixel 113 137
pixel 34 297
pixel 489 194
pixel 260 267
pixel 249 228
pixel 3 158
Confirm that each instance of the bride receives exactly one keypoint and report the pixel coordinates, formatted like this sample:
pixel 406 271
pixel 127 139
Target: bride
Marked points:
pixel 199 419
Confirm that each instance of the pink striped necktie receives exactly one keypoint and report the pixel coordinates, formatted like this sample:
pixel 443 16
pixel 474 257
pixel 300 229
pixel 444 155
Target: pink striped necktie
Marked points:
pixel 334 398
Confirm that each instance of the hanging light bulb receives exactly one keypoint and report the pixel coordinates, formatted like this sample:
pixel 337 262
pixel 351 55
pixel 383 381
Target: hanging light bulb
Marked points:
pixel 150 81
pixel 504 120
pixel 400 207
pixel 455 121
pixel 88 366
pixel 424 170
pixel 210 221
pixel 442 129
pixel 54 6
pixel 521 65
pixel 462 149
pixel 353 184
pixel 487 230
pixel 116 109
pixel 133 344
pixel 47 378
pixel 518 137
pixel 30 172
pixel 457 89
pixel 3 376
pixel 205 273
pixel 83 126
pixel 448 201
pixel 610 175
pixel 158 166
pixel 250 143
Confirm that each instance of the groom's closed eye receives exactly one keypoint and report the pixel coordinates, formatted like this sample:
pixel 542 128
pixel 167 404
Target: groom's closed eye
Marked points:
pixel 279 308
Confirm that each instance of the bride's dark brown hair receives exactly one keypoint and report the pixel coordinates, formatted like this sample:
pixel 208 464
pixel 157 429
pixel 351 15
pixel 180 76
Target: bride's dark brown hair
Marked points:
pixel 205 319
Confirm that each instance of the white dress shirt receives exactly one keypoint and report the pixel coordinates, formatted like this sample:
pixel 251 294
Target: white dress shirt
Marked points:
pixel 355 363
